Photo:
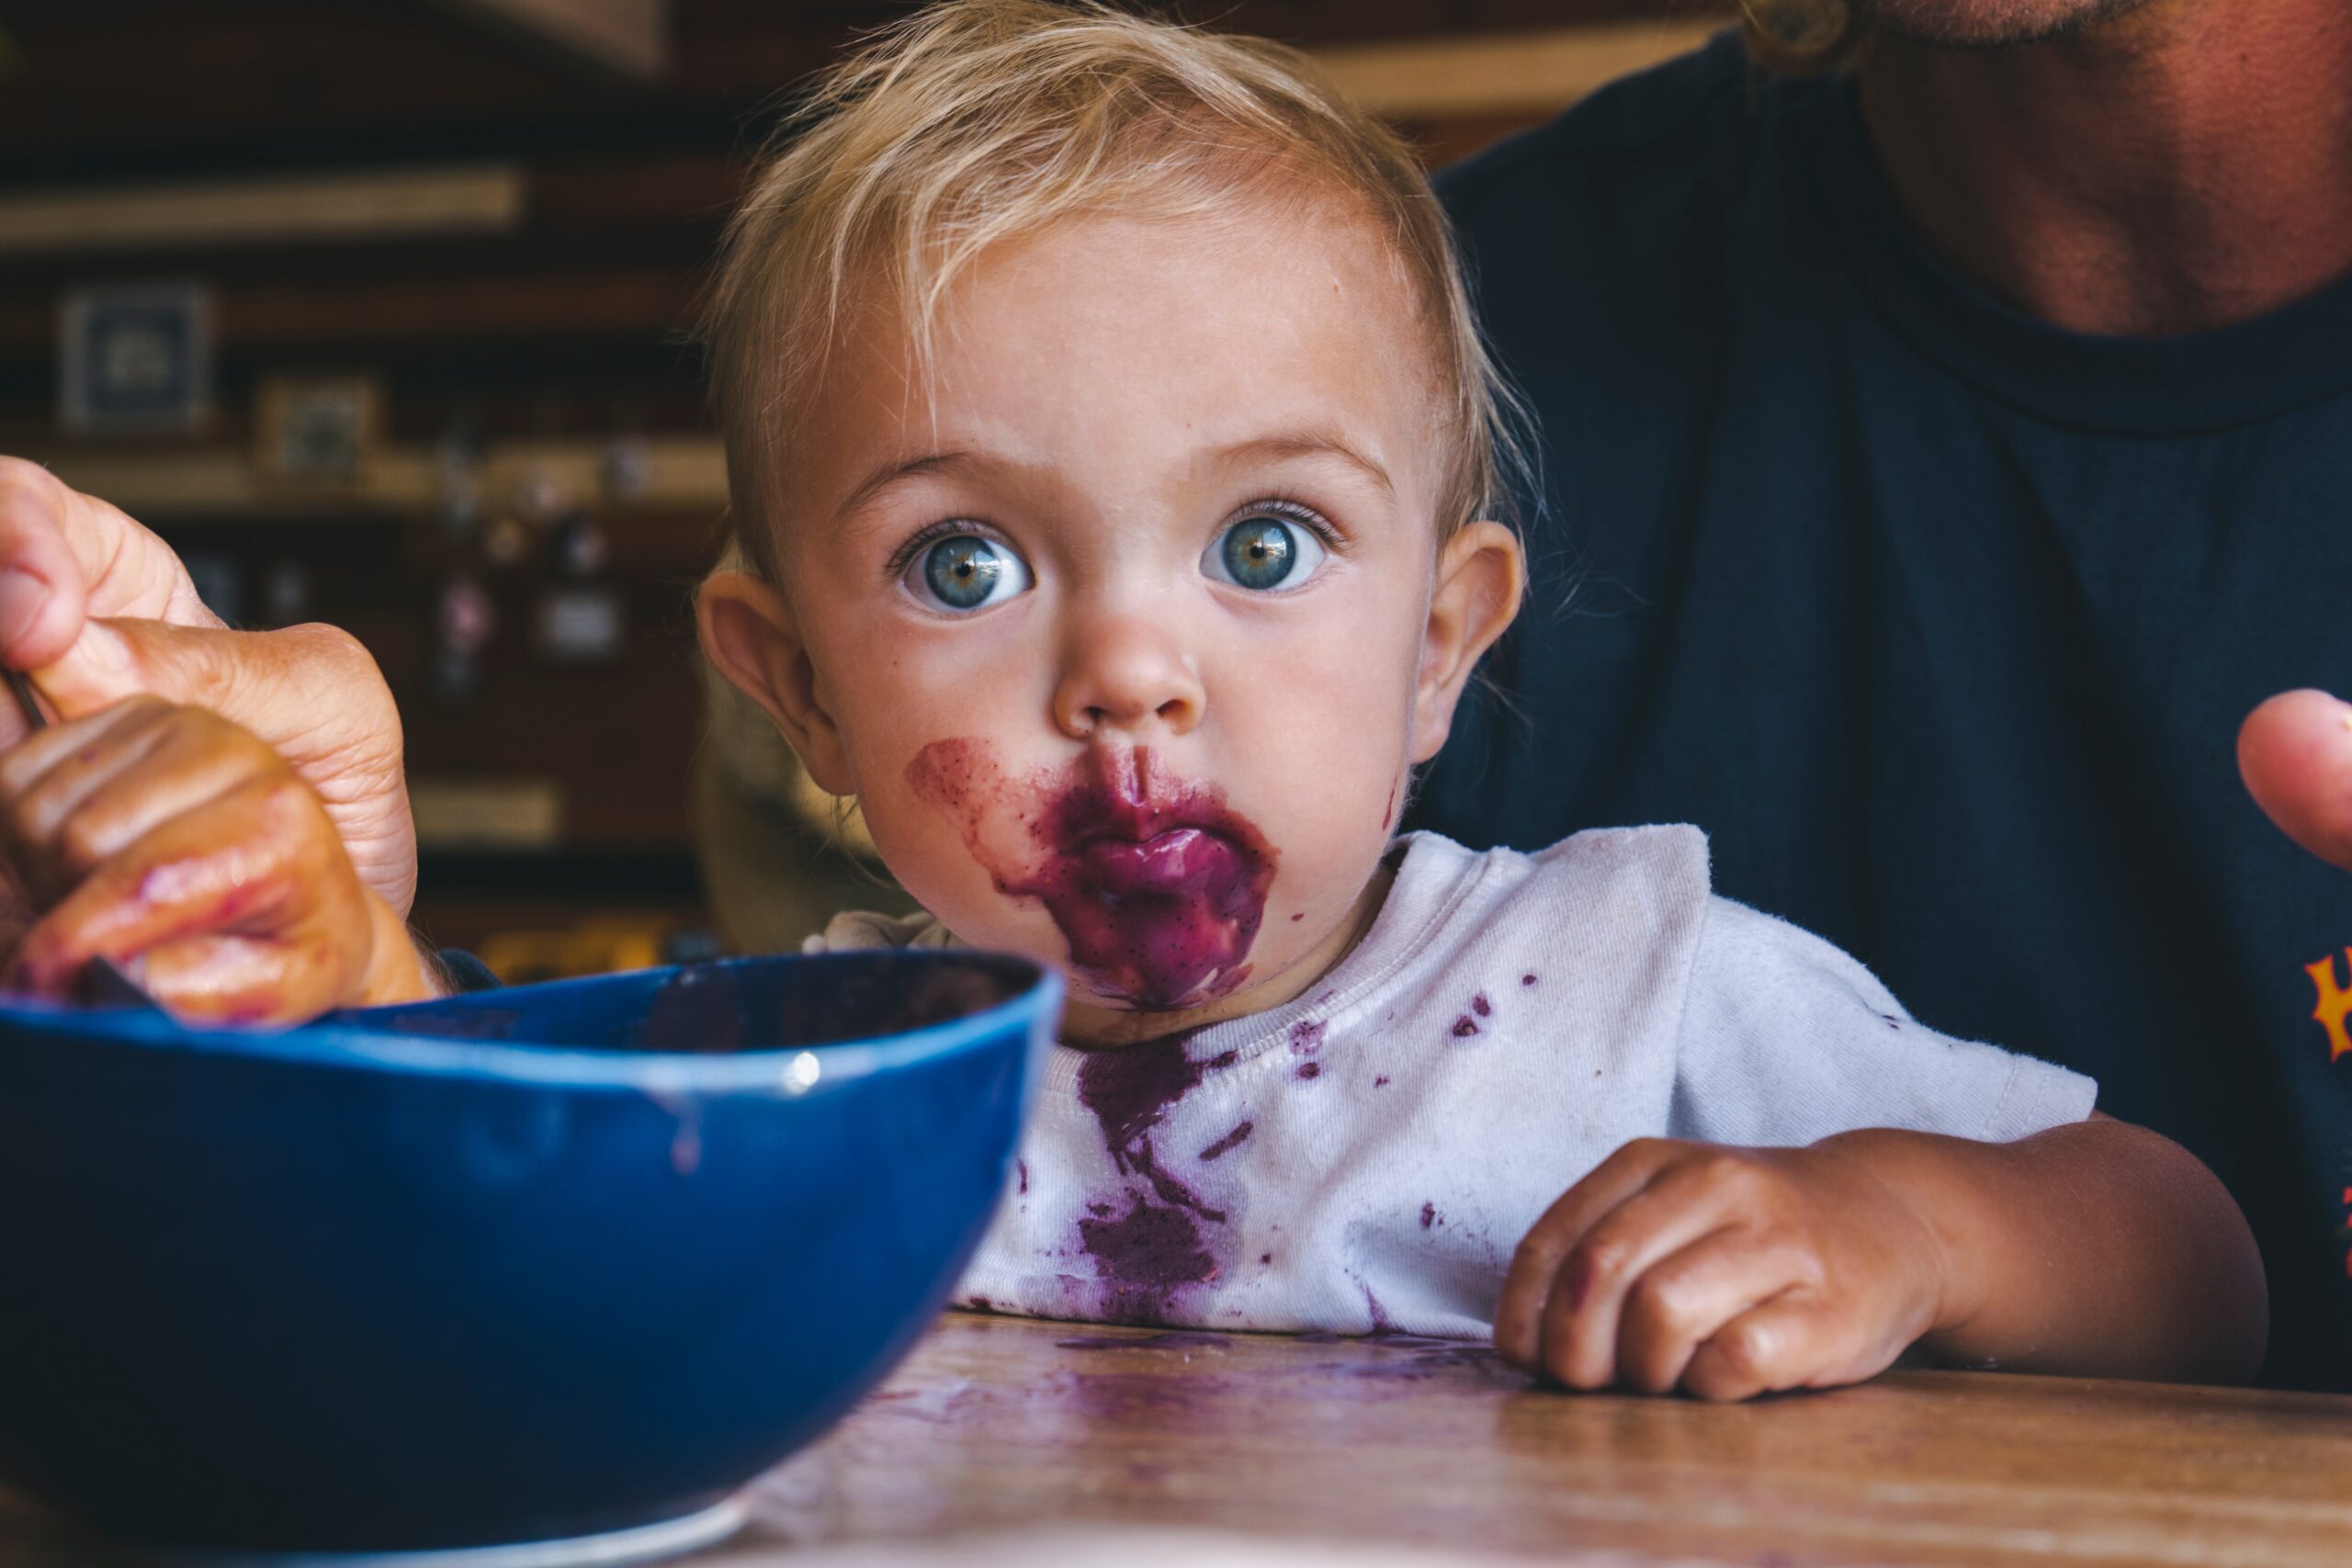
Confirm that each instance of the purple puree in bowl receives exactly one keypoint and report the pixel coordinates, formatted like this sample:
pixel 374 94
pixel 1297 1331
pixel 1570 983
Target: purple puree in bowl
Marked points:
pixel 1158 886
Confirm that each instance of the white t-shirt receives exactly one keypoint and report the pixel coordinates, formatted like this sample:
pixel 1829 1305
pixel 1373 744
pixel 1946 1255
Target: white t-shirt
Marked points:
pixel 1366 1158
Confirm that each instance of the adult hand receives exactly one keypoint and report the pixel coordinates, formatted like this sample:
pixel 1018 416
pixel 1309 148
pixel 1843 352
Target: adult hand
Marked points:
pixel 171 841
pixel 2295 753
pixel 99 609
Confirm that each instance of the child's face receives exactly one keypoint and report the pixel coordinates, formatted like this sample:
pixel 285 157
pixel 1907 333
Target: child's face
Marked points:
pixel 1125 624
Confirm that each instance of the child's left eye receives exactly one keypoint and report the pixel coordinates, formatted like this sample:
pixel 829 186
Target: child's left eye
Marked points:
pixel 1264 551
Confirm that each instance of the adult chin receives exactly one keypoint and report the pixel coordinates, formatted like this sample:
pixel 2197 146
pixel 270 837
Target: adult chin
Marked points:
pixel 1988 24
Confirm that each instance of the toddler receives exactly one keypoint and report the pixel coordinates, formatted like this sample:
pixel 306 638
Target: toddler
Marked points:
pixel 1119 487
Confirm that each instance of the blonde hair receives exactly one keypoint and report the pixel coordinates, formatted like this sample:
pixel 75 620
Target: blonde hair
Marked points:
pixel 975 121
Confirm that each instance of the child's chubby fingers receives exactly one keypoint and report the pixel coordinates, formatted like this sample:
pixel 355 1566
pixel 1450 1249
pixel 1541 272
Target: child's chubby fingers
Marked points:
pixel 1684 1301
pixel 1791 1341
pixel 1689 1201
pixel 75 795
pixel 1535 1266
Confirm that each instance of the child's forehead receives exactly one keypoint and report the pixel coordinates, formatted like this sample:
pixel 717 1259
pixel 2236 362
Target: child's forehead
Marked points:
pixel 1248 325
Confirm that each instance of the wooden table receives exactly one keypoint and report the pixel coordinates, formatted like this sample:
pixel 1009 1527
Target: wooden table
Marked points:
pixel 1000 1425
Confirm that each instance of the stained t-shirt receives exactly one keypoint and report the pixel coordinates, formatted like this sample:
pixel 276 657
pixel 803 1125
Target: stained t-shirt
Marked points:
pixel 1366 1158
pixel 1939 621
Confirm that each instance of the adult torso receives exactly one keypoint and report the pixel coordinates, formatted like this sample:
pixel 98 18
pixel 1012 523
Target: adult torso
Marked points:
pixel 1938 621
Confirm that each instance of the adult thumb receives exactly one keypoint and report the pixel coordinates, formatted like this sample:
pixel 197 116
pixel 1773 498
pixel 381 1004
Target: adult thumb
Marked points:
pixel 2295 754
pixel 312 693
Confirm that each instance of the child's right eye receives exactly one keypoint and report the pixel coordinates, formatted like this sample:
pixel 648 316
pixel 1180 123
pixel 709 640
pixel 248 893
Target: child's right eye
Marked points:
pixel 965 573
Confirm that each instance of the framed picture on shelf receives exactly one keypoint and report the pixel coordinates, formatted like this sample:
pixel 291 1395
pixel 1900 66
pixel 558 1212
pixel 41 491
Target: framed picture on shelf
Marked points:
pixel 324 432
pixel 135 358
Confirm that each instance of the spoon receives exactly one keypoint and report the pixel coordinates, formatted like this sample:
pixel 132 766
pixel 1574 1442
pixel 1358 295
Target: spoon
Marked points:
pixel 104 983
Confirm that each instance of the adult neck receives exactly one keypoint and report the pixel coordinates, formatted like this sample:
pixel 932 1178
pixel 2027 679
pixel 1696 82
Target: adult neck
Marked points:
pixel 2178 167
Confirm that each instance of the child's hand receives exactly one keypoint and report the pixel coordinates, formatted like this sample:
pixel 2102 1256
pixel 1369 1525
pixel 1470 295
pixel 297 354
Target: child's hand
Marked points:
pixel 1726 1273
pixel 176 844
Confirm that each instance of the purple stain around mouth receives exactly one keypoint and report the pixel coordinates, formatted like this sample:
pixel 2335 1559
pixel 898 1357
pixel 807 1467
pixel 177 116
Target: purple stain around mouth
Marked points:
pixel 1158 886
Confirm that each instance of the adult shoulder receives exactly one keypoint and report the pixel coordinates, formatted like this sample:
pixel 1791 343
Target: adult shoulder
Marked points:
pixel 1685 107
pixel 1602 247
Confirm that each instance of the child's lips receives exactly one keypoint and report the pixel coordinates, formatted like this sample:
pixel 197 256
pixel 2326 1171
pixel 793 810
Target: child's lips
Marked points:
pixel 1169 864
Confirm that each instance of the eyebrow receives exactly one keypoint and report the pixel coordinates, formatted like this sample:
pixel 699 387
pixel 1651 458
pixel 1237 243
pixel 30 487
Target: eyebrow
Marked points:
pixel 891 472
pixel 1306 444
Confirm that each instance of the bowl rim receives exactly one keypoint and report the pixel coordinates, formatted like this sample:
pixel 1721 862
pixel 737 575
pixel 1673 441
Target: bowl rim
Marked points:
pixel 339 1042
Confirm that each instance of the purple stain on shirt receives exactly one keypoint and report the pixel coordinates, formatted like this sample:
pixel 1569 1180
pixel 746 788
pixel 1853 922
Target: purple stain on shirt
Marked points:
pixel 1305 1037
pixel 1156 1248
pixel 1230 1142
pixel 1130 1087
pixel 1021 1167
pixel 1310 1070
pixel 1464 1026
pixel 1380 1082
pixel 1146 1256
pixel 1527 980
pixel 1428 1216
pixel 1480 1005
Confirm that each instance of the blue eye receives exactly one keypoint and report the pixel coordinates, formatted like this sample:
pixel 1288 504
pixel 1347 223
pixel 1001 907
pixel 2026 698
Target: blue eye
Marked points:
pixel 1262 552
pixel 966 572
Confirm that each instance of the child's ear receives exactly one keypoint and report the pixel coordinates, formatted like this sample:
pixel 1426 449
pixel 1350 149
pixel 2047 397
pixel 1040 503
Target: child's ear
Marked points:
pixel 1480 574
pixel 750 635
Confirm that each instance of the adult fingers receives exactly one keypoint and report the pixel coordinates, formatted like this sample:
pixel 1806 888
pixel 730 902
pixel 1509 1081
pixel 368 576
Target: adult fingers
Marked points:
pixel 151 775
pixel 231 978
pixel 45 782
pixel 310 692
pixel 1535 1266
pixel 2295 754
pixel 216 871
pixel 64 555
pixel 1684 1300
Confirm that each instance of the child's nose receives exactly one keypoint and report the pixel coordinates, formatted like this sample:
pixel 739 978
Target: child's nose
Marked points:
pixel 1127 673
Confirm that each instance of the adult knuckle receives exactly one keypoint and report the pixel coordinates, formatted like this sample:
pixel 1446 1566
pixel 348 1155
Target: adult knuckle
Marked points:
pixel 330 644
pixel 82 842
pixel 23 480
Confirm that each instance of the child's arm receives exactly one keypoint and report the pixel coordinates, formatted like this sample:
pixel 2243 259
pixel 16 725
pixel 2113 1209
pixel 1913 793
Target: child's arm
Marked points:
pixel 2097 1248
pixel 170 840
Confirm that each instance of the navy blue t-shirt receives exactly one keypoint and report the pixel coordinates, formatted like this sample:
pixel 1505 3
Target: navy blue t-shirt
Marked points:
pixel 1941 622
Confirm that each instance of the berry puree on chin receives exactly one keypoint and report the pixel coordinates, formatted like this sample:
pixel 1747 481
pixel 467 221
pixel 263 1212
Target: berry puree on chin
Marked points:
pixel 1158 886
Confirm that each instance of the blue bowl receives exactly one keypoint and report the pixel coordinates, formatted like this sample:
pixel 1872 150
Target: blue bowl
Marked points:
pixel 569 1262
